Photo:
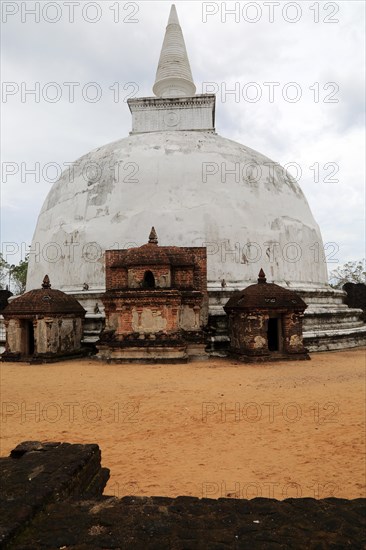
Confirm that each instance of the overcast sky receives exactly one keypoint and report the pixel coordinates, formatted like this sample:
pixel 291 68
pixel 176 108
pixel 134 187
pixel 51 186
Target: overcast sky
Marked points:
pixel 313 51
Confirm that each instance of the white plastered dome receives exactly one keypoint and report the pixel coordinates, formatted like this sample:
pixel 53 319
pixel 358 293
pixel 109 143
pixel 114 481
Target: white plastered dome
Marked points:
pixel 197 189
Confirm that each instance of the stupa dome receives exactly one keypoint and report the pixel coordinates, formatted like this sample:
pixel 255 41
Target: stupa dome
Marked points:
pixel 197 188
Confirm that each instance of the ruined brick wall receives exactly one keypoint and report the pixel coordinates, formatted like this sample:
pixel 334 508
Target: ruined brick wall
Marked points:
pixel 161 274
pixel 182 277
pixel 200 269
pixel 119 275
pixel 114 277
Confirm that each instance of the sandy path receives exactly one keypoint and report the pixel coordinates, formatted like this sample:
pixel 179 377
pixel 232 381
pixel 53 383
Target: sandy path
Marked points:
pixel 214 428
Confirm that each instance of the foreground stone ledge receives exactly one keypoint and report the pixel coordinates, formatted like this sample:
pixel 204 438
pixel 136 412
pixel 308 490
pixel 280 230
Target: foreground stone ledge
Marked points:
pixel 190 523
pixel 62 507
pixel 37 474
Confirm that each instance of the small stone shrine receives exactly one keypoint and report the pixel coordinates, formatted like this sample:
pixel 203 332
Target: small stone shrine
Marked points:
pixel 43 325
pixel 155 303
pixel 265 323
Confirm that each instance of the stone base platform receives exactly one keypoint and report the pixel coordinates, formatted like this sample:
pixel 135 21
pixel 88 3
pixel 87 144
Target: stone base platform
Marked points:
pixel 147 354
pixel 44 357
pixel 51 498
pixel 151 349
pixel 274 356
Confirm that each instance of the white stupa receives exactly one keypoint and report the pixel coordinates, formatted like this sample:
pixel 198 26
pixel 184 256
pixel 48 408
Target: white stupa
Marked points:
pixel 197 188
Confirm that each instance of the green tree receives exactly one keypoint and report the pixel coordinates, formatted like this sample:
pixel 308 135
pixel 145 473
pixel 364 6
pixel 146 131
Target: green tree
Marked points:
pixel 19 275
pixel 4 272
pixel 350 272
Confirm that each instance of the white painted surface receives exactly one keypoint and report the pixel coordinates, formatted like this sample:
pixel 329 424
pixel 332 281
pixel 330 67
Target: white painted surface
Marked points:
pixel 174 76
pixel 160 183
pixel 151 114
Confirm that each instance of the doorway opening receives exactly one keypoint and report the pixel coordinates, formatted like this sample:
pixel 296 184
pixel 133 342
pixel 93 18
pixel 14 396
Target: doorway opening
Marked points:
pixel 273 334
pixel 28 337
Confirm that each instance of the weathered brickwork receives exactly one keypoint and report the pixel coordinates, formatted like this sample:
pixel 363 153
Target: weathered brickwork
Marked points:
pixel 265 323
pixel 155 303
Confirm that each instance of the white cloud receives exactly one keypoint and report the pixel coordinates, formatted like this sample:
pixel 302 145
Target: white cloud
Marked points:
pixel 305 132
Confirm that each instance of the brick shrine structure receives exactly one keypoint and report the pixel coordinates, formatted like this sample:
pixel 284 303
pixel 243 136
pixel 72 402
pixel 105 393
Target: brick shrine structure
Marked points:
pixel 265 323
pixel 43 325
pixel 155 303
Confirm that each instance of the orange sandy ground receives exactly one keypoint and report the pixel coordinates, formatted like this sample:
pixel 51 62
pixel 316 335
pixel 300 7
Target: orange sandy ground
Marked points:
pixel 209 429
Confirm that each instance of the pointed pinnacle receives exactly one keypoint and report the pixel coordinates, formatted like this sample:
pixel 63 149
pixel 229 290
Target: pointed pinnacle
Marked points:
pixel 153 238
pixel 46 282
pixel 174 76
pixel 173 17
pixel 262 277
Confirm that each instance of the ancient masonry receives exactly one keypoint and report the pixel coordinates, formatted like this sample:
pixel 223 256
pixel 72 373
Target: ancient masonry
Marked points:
pixel 265 323
pixel 43 325
pixel 155 303
pixel 51 497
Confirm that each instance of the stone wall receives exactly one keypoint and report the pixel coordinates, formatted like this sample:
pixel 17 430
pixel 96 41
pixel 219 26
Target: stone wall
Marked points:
pixel 58 335
pixel 51 335
pixel 52 498
pixel 39 474
pixel 14 333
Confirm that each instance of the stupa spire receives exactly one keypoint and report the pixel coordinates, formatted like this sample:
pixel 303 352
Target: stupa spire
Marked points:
pixel 174 76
